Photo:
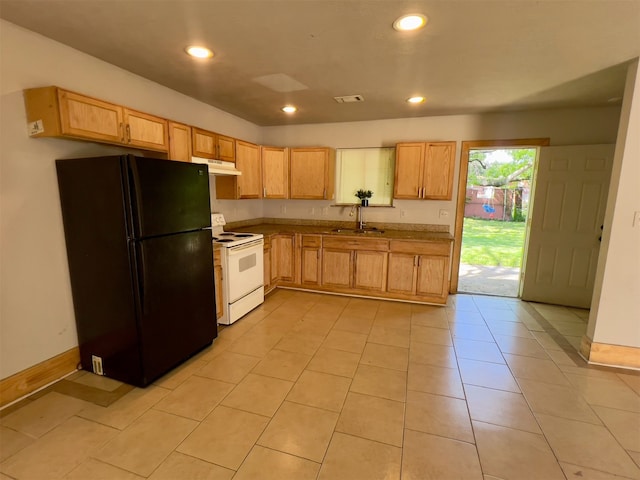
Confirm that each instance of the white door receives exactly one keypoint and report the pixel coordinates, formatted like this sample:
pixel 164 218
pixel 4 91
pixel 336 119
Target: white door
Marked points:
pixel 567 214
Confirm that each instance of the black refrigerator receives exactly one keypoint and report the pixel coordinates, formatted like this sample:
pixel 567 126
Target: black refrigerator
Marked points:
pixel 140 257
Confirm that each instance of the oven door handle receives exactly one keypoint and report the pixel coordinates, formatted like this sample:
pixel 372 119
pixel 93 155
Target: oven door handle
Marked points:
pixel 242 248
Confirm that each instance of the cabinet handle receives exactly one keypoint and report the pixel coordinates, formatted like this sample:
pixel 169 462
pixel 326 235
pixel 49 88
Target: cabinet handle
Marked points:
pixel 128 133
pixel 415 261
pixel 122 132
pixel 354 262
pixel 324 193
pixel 264 192
pixel 419 260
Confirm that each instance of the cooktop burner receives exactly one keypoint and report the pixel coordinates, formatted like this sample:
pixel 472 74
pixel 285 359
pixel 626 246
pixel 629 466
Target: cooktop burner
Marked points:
pixel 232 239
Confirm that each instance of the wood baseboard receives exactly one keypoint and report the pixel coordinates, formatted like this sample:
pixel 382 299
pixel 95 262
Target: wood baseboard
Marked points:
pixel 31 379
pixel 611 355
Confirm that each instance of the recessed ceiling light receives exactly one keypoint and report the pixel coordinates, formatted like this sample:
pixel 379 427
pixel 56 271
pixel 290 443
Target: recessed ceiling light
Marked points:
pixel 413 21
pixel 415 100
pixel 289 109
pixel 199 52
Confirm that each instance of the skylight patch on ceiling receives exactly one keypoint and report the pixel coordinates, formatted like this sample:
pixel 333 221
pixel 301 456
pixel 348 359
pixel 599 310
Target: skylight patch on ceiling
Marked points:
pixel 280 82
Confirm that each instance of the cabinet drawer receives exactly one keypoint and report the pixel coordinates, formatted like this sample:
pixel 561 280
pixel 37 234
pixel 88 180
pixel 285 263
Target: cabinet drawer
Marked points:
pixel 420 248
pixel 311 240
pixel 350 243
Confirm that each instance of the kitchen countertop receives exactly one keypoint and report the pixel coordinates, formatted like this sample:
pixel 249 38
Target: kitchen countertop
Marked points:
pixel 418 232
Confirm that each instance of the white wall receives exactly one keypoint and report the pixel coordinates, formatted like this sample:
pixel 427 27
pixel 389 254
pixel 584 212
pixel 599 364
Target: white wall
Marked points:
pixel 615 312
pixel 36 313
pixel 563 127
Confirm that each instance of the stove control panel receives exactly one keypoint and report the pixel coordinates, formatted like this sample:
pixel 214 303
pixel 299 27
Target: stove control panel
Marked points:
pixel 217 220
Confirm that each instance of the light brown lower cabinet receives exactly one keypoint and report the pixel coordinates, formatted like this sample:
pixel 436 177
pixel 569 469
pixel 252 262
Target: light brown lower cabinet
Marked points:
pixel 266 261
pixel 310 264
pixel 396 269
pixel 337 267
pixel 360 264
pixel 419 269
pixel 283 257
pixel 370 270
pixel 217 277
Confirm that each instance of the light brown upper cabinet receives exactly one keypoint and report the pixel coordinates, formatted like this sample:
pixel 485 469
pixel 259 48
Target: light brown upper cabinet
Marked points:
pixel 275 172
pixel 312 173
pixel 424 170
pixel 213 145
pixel 247 185
pixel 179 142
pixel 54 112
pixel 146 131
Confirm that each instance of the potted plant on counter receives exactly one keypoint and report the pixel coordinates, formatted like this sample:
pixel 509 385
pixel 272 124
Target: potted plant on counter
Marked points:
pixel 364 196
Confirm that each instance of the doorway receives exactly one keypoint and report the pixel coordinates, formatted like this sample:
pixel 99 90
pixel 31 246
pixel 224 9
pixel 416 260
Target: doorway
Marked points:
pixel 467 148
pixel 497 200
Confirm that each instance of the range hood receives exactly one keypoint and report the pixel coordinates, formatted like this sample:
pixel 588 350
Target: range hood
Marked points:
pixel 217 167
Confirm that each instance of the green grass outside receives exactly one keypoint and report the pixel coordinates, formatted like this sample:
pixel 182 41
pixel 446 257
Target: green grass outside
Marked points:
pixel 492 243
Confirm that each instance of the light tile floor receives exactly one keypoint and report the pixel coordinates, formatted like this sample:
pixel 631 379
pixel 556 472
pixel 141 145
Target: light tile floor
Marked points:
pixel 312 386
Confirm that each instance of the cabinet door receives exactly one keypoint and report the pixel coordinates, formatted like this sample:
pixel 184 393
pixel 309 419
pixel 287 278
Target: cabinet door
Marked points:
pixel 274 265
pixel 179 142
pixel 146 131
pixel 310 270
pixel 267 267
pixel 370 272
pixel 433 272
pixel 217 277
pixel 226 148
pixel 275 172
pixel 89 118
pixel 248 162
pixel 401 273
pixel 203 143
pixel 337 267
pixel 310 170
pixel 310 265
pixel 283 246
pixel 439 163
pixel 409 170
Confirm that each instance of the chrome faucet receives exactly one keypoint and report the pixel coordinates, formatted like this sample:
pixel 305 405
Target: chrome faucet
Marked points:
pixel 361 222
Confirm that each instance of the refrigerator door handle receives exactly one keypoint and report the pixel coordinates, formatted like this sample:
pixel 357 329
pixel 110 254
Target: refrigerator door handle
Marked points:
pixel 138 259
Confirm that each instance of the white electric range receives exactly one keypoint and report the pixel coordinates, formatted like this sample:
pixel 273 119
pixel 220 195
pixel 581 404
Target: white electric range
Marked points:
pixel 242 270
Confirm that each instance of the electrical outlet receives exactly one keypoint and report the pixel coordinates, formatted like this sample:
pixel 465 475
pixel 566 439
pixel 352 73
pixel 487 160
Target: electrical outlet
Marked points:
pixel 283 209
pixel 312 211
pixel 444 213
pixel 97 365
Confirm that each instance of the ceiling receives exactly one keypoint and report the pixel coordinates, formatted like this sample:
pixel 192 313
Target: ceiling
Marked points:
pixel 473 56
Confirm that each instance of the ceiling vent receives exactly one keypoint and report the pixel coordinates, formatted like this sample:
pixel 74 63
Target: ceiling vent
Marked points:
pixel 349 99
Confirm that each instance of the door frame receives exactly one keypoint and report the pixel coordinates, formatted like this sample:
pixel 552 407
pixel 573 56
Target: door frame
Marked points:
pixel 462 191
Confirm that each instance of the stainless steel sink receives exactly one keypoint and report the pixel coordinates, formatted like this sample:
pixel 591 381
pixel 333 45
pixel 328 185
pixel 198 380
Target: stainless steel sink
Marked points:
pixel 359 231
